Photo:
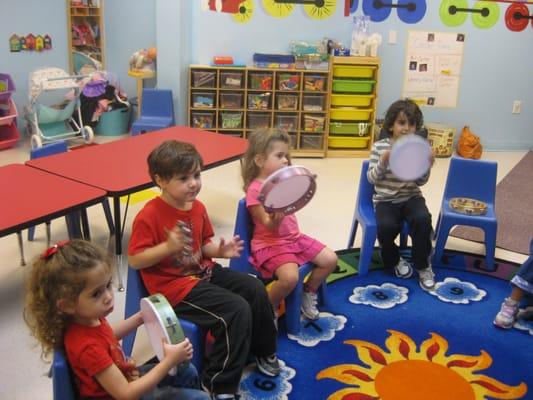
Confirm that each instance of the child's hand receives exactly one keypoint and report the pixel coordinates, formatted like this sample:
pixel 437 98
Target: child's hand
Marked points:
pixel 175 239
pixel 231 249
pixel 431 158
pixel 178 353
pixel 132 372
pixel 385 157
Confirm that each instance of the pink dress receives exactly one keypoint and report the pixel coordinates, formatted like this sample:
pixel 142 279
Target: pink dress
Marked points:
pixel 272 248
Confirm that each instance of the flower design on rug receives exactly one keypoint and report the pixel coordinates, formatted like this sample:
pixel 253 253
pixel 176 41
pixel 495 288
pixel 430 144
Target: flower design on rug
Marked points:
pixel 402 372
pixel 453 290
pixel 386 295
pixel 321 330
pixel 524 320
pixel 255 385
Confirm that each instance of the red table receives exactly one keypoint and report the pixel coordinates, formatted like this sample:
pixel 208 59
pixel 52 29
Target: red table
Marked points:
pixel 120 167
pixel 30 197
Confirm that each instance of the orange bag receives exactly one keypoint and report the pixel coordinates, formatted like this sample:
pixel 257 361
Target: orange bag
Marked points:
pixel 469 145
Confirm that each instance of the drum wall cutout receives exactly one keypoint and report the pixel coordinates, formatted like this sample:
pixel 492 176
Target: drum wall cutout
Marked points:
pixel 433 68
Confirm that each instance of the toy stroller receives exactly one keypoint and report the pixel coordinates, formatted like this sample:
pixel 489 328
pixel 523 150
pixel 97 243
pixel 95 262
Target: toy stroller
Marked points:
pixel 54 123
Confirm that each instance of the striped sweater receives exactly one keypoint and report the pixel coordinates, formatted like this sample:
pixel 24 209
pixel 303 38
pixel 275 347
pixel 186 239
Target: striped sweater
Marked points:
pixel 387 186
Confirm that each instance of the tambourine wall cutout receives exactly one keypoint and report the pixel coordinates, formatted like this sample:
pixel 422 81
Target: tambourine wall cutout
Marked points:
pixel 316 9
pixel 467 206
pixel 517 17
pixel 485 14
pixel 409 11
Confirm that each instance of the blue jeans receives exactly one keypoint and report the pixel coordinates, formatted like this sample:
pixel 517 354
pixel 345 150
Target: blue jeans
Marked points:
pixel 185 385
pixel 524 277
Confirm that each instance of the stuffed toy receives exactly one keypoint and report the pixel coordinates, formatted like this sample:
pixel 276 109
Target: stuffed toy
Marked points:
pixel 143 60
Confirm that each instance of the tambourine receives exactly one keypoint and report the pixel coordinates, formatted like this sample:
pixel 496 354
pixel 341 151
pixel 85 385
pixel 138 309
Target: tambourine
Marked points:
pixel 464 205
pixel 287 190
pixel 161 322
pixel 410 157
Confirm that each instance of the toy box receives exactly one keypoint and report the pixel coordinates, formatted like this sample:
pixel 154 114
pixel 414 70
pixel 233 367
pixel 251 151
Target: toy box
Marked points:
pixel 203 79
pixel 288 123
pixel 231 80
pixel 231 120
pixel 311 142
pixel 287 101
pixel 260 81
pixel 282 61
pixel 258 101
pixel 314 83
pixel 440 137
pixel 230 100
pixel 288 82
pixel 313 123
pixel 312 102
pixel 203 120
pixel 203 100
pixel 258 120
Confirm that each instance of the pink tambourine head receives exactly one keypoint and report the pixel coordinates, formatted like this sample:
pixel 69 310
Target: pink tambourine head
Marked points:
pixel 410 157
pixel 288 190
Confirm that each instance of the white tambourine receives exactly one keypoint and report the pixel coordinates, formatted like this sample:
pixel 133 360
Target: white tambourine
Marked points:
pixel 410 157
pixel 161 322
pixel 288 190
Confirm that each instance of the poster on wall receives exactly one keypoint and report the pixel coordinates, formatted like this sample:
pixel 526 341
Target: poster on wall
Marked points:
pixel 433 68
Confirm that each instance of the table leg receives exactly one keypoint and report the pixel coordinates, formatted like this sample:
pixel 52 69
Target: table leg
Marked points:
pixel 139 96
pixel 86 232
pixel 118 241
pixel 21 247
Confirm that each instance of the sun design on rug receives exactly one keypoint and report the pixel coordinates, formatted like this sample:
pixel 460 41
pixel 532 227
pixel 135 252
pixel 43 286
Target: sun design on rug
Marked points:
pixel 403 373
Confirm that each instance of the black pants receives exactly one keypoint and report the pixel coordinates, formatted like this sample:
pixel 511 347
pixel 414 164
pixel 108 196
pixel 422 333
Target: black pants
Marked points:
pixel 236 309
pixel 389 219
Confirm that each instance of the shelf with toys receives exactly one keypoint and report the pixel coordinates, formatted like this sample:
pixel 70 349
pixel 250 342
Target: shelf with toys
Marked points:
pixel 352 112
pixel 238 100
pixel 9 133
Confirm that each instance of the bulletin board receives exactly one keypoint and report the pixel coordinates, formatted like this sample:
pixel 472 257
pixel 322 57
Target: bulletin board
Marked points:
pixel 433 68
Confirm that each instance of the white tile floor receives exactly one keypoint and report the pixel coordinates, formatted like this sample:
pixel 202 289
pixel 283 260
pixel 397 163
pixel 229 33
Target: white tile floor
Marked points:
pixel 328 217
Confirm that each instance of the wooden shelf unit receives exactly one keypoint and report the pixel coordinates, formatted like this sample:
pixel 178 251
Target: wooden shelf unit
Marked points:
pixel 237 100
pixel 353 89
pixel 87 14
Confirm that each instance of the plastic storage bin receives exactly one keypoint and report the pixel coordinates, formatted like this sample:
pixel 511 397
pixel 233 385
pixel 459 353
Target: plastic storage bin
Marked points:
pixel 231 100
pixel 350 114
pixel 287 101
pixel 258 120
pixel 353 71
pixel 313 102
pixel 353 86
pixel 114 123
pixel 351 100
pixel 314 83
pixel 287 123
pixel 260 80
pixel 204 79
pixel 9 136
pixel 258 101
pixel 7 87
pixel 203 120
pixel 350 128
pixel 313 122
pixel 231 120
pixel 9 114
pixel 311 142
pixel 231 80
pixel 348 142
pixel 294 141
pixel 203 100
pixel 284 61
pixel 288 81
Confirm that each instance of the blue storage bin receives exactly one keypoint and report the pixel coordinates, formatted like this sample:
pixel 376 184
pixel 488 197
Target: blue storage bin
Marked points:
pixel 274 61
pixel 114 123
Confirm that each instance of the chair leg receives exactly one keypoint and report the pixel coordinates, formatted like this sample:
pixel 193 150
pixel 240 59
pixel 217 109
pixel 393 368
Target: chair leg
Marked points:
pixel 441 237
pixel 197 338
pixel 353 232
pixel 108 216
pixel 367 249
pixel 437 227
pixel 31 233
pixel 490 248
pixel 293 304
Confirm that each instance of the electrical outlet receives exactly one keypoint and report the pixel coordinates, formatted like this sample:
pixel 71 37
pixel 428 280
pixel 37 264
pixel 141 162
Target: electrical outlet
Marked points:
pixel 393 37
pixel 517 106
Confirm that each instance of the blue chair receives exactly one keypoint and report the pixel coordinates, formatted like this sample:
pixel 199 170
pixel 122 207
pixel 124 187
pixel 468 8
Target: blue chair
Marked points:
pixel 157 111
pixel 135 291
pixel 57 148
pixel 293 302
pixel 63 384
pixel 364 214
pixel 475 179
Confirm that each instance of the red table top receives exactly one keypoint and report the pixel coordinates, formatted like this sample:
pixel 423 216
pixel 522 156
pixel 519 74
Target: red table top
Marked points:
pixel 120 167
pixel 31 196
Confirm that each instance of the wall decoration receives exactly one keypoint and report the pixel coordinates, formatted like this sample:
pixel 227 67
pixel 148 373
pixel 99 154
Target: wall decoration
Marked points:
pixel 433 68
pixel 30 42
pixel 241 10
pixel 315 9
pixel 409 11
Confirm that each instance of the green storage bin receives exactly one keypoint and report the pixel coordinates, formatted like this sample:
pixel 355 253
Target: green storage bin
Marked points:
pixel 353 86
pixel 114 123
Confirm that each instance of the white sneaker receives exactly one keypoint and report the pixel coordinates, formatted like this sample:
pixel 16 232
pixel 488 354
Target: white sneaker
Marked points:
pixel 403 269
pixel 309 302
pixel 426 278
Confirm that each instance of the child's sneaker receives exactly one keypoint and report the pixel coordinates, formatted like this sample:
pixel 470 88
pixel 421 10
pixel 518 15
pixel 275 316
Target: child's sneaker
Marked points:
pixel 224 396
pixel 426 278
pixel 403 269
pixel 268 365
pixel 309 302
pixel 507 315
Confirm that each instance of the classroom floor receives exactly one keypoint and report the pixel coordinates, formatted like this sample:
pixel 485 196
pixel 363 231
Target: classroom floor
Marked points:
pixel 327 217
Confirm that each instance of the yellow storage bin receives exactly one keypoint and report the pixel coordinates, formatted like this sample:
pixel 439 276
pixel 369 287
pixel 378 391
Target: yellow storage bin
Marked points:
pixel 350 100
pixel 350 114
pixel 348 142
pixel 353 71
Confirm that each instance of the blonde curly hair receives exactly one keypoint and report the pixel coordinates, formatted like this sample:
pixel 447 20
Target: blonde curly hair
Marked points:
pixel 260 143
pixel 57 276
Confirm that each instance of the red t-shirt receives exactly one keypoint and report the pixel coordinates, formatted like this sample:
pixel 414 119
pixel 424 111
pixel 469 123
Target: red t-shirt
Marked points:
pixel 173 277
pixel 90 350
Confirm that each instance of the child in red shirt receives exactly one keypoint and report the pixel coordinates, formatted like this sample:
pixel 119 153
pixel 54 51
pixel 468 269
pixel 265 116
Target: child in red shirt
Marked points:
pixel 171 244
pixel 69 296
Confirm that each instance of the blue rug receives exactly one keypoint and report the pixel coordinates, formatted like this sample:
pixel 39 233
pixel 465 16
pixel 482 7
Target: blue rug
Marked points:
pixel 383 337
